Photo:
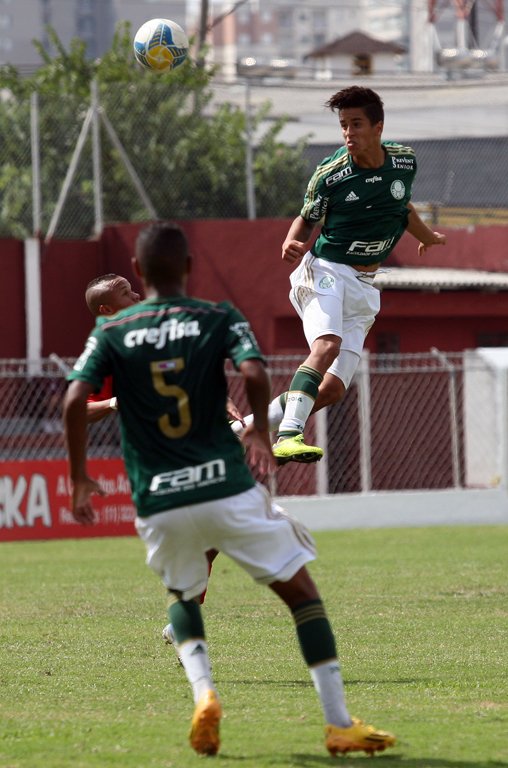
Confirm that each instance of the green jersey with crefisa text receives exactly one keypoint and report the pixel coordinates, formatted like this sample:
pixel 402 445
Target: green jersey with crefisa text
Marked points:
pixel 364 210
pixel 166 357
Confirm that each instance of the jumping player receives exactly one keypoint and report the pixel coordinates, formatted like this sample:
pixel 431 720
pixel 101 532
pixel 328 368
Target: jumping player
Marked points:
pixel 361 197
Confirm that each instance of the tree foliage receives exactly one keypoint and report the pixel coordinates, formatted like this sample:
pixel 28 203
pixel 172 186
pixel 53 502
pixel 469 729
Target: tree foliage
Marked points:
pixel 188 153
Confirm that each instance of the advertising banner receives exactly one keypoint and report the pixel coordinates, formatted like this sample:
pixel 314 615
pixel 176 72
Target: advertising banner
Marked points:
pixel 35 501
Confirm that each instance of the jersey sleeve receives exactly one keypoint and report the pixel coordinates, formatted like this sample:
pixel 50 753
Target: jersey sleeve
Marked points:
pixel 93 365
pixel 315 202
pixel 240 342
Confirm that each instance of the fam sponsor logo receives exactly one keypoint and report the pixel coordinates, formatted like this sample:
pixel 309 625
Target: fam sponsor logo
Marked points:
pixel 373 179
pixel 403 163
pixel 189 478
pixel 158 337
pixel 24 501
pixel 398 189
pixel 369 247
pixel 336 177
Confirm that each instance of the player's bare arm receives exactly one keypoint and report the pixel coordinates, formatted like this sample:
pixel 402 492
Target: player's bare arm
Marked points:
pixel 426 236
pixel 99 409
pixel 233 412
pixel 295 247
pixel 257 437
pixel 75 422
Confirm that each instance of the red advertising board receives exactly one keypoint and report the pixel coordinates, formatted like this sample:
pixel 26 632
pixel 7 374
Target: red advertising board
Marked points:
pixel 35 501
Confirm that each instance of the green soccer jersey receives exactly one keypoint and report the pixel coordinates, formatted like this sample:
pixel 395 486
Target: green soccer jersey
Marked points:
pixel 167 357
pixel 364 210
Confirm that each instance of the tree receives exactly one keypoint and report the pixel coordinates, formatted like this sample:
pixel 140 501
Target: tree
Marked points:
pixel 189 154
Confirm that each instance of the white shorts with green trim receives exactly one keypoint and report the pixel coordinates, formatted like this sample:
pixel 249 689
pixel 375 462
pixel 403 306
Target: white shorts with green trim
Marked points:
pixel 335 299
pixel 248 527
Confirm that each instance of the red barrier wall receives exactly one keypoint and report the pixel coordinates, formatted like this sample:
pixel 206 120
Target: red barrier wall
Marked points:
pixel 240 261
pixel 35 501
pixel 12 299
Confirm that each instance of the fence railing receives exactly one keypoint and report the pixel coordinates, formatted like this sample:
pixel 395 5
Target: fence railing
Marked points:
pixel 423 421
pixel 68 166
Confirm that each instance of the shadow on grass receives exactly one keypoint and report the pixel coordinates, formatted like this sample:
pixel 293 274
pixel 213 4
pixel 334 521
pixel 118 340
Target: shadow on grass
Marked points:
pixel 395 761
pixel 309 684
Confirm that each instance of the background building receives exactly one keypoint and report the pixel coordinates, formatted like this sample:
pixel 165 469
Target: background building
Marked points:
pixel 22 21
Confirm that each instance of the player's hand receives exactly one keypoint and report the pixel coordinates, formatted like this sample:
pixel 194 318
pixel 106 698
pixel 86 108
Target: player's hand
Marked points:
pixel 233 412
pixel 293 251
pixel 438 240
pixel 258 444
pixel 82 510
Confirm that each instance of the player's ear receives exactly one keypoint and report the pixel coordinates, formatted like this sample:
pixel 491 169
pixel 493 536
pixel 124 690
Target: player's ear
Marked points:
pixel 105 309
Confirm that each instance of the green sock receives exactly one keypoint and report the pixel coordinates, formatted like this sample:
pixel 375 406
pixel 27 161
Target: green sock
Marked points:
pixel 186 619
pixel 314 632
pixel 300 400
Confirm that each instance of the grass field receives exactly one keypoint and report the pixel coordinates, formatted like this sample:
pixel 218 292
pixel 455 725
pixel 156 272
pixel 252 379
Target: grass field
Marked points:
pixel 420 616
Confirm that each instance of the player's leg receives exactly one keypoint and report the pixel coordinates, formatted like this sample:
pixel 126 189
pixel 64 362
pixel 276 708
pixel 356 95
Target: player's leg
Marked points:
pixel 177 554
pixel 342 732
pixel 322 324
pixel 275 549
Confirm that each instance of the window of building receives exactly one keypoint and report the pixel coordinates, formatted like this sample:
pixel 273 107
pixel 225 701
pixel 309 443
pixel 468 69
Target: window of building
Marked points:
pixel 362 64
pixel 319 21
pixel 387 343
pixel 5 21
pixel 285 20
pixel 243 15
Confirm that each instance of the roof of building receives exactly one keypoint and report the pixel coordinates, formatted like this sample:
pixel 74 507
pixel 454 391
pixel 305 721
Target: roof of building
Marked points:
pixel 435 279
pixel 355 43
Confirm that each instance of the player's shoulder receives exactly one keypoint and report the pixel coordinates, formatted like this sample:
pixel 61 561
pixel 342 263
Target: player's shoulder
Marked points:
pixel 332 169
pixel 330 163
pixel 395 149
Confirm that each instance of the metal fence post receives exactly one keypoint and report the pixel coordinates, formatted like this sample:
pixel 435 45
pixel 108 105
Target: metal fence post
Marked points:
pixel 249 175
pixel 96 159
pixel 364 418
pixel 36 164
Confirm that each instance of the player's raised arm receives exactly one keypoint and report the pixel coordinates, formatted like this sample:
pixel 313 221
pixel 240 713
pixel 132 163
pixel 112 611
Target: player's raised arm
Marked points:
pixel 294 246
pixel 426 236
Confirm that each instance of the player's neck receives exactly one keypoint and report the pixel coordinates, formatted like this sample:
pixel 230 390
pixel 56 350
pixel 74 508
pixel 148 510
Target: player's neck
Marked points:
pixel 164 291
pixel 370 158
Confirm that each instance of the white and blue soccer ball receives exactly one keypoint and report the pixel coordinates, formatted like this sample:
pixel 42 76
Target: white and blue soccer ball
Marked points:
pixel 161 45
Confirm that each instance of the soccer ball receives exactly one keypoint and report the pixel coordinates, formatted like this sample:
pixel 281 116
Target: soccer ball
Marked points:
pixel 160 45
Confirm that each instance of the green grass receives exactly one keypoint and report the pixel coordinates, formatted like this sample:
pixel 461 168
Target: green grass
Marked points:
pixel 420 616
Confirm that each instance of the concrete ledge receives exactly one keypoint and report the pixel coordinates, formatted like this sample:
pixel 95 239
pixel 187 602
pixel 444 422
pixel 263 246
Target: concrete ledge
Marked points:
pixel 399 509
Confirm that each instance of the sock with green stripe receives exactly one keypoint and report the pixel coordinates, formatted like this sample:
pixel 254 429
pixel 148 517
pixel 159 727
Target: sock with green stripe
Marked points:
pixel 186 619
pixel 319 651
pixel 300 400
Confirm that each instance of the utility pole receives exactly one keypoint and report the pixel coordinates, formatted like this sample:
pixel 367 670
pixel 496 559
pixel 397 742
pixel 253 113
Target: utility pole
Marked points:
pixel 202 31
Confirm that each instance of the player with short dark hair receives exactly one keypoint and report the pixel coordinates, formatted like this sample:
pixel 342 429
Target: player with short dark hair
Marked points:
pixel 360 196
pixel 190 483
pixel 105 295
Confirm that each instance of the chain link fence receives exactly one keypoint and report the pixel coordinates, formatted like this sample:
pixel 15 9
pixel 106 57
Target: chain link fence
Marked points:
pixel 153 150
pixel 407 422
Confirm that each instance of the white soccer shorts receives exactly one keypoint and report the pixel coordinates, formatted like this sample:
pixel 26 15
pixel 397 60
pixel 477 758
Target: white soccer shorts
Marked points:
pixel 248 527
pixel 339 300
